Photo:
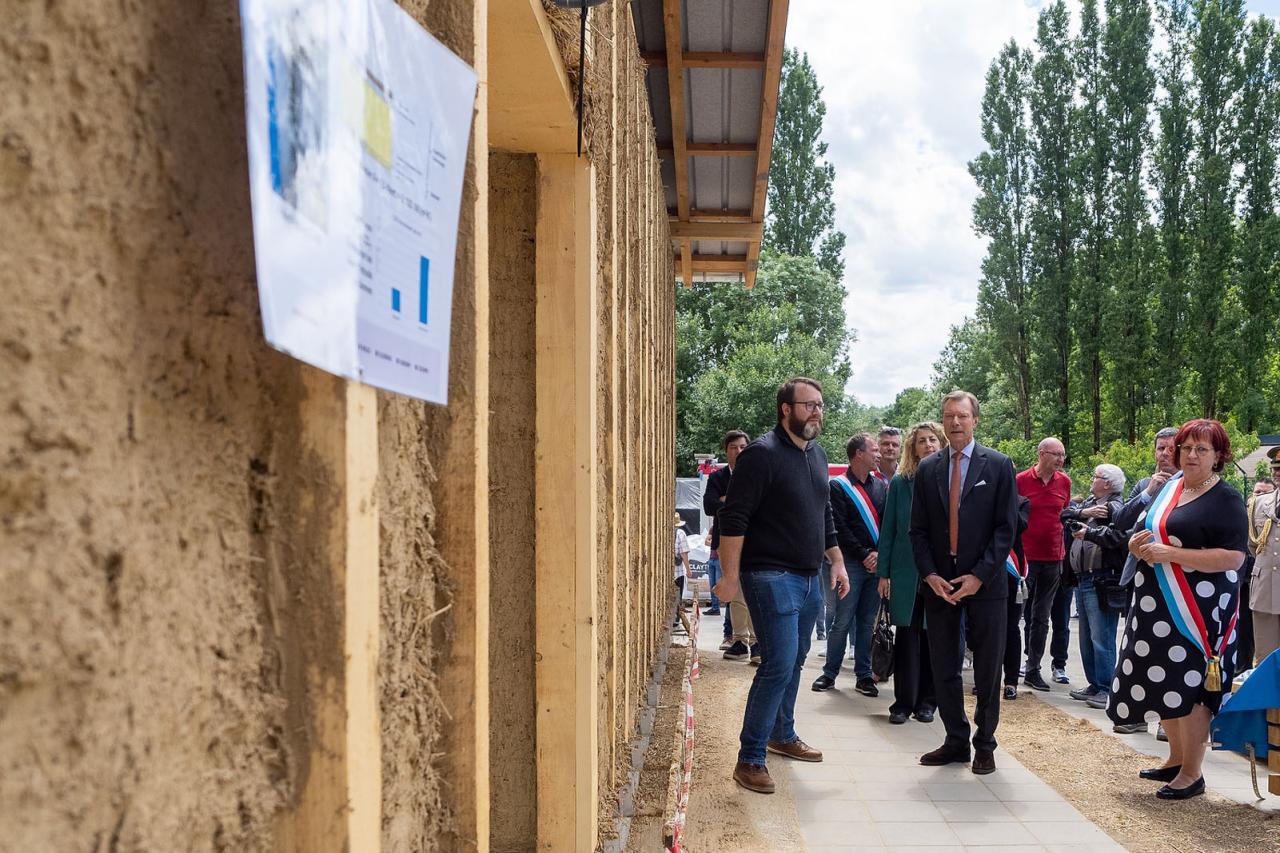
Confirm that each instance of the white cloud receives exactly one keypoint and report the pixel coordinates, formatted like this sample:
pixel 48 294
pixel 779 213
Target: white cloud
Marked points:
pixel 903 84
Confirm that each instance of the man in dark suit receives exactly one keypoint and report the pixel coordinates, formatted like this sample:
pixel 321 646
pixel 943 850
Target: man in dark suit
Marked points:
pixel 964 513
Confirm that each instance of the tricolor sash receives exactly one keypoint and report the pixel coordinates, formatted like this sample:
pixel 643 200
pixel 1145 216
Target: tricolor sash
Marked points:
pixel 1172 580
pixel 1011 564
pixel 862 502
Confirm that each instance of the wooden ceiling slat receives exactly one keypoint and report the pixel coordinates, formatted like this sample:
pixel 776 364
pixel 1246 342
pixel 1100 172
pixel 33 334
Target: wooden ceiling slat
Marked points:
pixel 706 59
pixel 737 231
pixel 768 118
pixel 675 84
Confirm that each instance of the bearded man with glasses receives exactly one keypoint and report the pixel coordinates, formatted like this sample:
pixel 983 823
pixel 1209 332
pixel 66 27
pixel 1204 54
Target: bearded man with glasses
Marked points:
pixel 776 526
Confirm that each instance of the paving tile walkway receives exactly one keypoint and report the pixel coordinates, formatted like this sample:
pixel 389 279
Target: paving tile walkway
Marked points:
pixel 870 792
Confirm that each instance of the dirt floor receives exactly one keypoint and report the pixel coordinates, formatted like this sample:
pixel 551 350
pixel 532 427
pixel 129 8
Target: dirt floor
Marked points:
pixel 719 818
pixel 1099 776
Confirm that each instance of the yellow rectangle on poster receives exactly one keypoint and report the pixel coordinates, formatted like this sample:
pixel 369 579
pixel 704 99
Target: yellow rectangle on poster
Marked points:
pixel 377 125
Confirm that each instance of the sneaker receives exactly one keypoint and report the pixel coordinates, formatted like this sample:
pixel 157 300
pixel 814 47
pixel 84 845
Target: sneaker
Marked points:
pixel 897 718
pixel 1100 701
pixel 737 651
pixel 1160 735
pixel 867 687
pixel 1084 694
pixel 1060 675
pixel 822 652
pixel 711 611
pixel 727 644
pixel 1129 728
pixel 753 777
pixel 1022 669
pixel 1034 680
pixel 822 683
pixel 1010 692
pixel 755 654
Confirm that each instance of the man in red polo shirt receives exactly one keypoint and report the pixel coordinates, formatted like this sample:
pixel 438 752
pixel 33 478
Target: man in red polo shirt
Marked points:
pixel 1049 491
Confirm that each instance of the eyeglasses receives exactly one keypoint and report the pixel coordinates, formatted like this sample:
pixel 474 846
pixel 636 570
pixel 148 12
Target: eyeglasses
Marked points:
pixel 1195 449
pixel 1099 476
pixel 1056 453
pixel 811 405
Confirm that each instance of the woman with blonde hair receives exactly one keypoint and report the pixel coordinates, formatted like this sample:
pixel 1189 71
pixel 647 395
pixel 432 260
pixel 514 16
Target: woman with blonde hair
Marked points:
pixel 912 675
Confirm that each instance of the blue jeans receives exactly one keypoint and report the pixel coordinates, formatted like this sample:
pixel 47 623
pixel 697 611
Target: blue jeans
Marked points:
pixel 854 619
pixel 784 608
pixel 713 575
pixel 1097 636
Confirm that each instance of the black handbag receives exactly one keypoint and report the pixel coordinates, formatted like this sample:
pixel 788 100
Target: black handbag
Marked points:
pixel 882 644
pixel 1111 594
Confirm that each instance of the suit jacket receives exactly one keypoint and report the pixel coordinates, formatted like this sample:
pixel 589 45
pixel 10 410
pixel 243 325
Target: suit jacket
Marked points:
pixel 988 520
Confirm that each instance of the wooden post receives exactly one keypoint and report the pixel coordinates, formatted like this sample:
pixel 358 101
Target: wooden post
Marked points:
pixel 617 739
pixel 1273 750
pixel 565 481
pixel 340 805
pixel 460 453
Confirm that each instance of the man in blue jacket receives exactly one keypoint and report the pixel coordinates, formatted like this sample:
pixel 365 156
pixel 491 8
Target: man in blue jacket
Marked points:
pixel 857 505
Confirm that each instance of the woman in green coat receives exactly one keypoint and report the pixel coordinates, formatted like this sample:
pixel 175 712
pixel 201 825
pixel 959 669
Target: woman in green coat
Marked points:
pixel 912 675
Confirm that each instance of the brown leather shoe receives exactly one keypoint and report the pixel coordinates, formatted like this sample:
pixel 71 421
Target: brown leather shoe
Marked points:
pixel 753 777
pixel 945 755
pixel 984 762
pixel 797 749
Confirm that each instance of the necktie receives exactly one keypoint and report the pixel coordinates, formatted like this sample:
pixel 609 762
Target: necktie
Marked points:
pixel 953 499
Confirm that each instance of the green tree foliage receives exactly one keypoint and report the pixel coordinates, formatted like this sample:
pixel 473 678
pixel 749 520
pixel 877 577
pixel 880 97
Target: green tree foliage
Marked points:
pixel 1171 178
pixel 1093 167
pixel 1129 87
pixel 1216 72
pixel 1055 218
pixel 1258 121
pixel 1002 212
pixel 1153 280
pixel 801 209
pixel 735 346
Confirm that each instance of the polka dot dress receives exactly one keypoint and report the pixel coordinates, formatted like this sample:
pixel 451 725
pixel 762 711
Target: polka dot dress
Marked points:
pixel 1160 673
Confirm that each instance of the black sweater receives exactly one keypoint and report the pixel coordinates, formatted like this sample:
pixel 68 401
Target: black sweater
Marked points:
pixel 779 500
pixel 717 487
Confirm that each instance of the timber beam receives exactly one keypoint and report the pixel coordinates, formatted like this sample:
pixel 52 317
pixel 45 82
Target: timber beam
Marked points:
pixel 706 59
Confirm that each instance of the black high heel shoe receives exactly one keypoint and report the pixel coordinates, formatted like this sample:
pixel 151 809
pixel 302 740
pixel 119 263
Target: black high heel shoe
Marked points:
pixel 1194 789
pixel 1160 774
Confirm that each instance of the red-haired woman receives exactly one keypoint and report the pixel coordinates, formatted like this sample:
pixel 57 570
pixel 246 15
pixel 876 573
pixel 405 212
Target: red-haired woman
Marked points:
pixel 1178 651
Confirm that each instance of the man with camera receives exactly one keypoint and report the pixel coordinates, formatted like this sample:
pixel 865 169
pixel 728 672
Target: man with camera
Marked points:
pixel 1096 558
pixel 1049 491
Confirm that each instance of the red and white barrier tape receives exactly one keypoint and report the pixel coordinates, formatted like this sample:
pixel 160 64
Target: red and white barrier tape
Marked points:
pixel 673 831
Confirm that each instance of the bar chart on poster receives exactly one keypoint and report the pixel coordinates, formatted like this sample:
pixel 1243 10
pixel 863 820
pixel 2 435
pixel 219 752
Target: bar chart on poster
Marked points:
pixel 358 125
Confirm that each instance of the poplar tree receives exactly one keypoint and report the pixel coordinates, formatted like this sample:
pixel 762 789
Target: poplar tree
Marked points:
pixel 1093 164
pixel 1002 213
pixel 1129 87
pixel 1055 216
pixel 1259 235
pixel 1216 71
pixel 1171 178
pixel 801 211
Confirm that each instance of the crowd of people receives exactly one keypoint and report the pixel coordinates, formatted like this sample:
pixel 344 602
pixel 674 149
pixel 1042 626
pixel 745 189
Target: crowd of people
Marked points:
pixel 978 566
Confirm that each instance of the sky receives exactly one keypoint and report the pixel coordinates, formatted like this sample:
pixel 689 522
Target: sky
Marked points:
pixel 903 85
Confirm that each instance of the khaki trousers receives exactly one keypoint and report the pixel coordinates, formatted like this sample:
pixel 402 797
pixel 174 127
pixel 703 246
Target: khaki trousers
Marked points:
pixel 1266 634
pixel 741 618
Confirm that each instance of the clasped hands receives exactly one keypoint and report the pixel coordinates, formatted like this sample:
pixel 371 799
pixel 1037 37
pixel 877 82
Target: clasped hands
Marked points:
pixel 954 591
pixel 1143 546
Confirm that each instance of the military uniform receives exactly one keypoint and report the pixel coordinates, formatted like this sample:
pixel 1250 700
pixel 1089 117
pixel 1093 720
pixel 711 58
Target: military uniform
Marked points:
pixel 1264 592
